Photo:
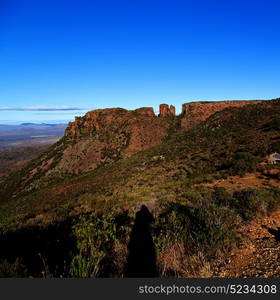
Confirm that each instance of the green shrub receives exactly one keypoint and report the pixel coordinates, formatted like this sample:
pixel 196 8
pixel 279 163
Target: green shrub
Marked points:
pixel 96 237
pixel 243 162
pixel 251 203
pixel 172 225
pixel 221 196
pixel 212 227
pixel 204 227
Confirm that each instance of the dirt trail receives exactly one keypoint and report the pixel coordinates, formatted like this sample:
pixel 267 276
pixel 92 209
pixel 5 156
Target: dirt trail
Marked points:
pixel 259 253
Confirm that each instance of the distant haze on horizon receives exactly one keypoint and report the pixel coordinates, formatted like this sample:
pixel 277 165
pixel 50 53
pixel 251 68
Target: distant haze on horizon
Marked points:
pixel 61 58
pixel 57 117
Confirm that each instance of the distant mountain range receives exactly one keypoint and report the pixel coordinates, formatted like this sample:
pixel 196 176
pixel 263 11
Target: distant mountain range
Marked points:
pixel 39 124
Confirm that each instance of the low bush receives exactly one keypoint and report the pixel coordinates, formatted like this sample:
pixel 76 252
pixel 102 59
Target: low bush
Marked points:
pixel 251 203
pixel 96 238
pixel 242 163
pixel 204 222
pixel 13 269
pixel 202 228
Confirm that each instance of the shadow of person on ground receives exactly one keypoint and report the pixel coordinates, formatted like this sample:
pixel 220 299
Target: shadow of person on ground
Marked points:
pixel 141 261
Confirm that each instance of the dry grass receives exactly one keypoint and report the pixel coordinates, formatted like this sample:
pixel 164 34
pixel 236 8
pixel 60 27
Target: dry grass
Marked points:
pixel 174 261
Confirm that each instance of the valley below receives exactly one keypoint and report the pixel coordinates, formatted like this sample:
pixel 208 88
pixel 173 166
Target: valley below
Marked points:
pixel 21 143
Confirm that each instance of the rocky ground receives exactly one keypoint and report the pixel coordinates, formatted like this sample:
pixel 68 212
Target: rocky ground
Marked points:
pixel 259 253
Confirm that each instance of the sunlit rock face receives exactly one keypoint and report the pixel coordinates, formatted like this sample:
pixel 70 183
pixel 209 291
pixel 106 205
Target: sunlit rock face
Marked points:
pixel 166 110
pixel 195 112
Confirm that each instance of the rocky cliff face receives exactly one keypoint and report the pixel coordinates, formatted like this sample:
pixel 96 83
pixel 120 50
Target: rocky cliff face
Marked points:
pixel 105 135
pixel 101 119
pixel 195 112
pixel 98 121
pixel 166 110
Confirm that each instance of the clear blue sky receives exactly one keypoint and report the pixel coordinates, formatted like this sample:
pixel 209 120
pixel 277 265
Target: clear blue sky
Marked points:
pixel 96 54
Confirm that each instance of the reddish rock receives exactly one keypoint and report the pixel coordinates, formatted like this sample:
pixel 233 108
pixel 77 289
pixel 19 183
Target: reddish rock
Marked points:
pixel 146 111
pixel 194 112
pixel 104 135
pixel 166 110
pixel 172 110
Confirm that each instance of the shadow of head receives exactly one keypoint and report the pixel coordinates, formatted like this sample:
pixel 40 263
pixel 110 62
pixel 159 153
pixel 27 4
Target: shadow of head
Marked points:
pixel 143 217
pixel 141 261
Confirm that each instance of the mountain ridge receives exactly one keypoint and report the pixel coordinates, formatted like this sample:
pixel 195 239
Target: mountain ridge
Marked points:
pixel 104 136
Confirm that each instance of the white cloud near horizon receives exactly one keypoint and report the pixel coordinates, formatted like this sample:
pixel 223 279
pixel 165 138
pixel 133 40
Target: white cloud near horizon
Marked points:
pixel 43 108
